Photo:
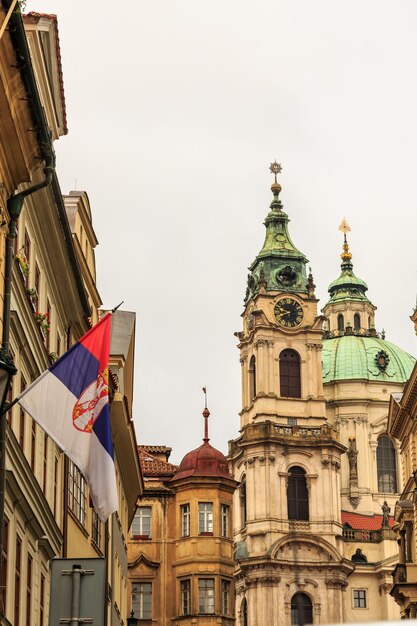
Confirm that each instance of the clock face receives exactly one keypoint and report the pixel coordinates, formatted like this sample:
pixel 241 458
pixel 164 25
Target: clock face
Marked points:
pixel 288 312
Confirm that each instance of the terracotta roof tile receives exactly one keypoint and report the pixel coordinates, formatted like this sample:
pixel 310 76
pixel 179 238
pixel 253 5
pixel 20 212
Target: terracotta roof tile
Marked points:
pixel 364 522
pixel 151 466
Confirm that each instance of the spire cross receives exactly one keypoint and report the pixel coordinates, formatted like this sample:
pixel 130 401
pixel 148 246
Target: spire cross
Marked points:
pixel 344 227
pixel 275 168
pixel 206 414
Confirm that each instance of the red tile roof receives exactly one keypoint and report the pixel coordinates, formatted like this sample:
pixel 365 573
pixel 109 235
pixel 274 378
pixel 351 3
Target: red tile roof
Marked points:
pixel 34 18
pixel 364 522
pixel 153 467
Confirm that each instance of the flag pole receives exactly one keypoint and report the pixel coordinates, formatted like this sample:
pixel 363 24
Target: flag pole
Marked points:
pixel 118 306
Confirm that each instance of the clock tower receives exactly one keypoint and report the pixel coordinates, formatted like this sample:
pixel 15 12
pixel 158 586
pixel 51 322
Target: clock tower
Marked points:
pixel 290 568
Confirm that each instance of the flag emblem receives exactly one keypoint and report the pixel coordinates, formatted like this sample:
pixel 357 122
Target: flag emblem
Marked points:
pixel 90 404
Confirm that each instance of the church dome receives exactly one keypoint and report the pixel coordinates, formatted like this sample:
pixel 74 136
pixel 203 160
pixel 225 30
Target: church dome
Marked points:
pixel 204 461
pixel 353 357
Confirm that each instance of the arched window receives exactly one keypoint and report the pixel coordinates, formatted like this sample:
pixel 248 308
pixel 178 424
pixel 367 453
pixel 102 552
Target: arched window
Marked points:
pixel 340 322
pixel 244 612
pixel 386 466
pixel 252 377
pixel 289 374
pixel 242 498
pixel 356 321
pixel 297 494
pixel 301 610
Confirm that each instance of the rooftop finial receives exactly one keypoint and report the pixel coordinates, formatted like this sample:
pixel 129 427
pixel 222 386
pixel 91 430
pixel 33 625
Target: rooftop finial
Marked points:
pixel 275 168
pixel 345 228
pixel 206 414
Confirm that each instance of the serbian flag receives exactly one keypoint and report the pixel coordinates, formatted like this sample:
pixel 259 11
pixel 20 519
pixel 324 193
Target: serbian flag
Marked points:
pixel 70 401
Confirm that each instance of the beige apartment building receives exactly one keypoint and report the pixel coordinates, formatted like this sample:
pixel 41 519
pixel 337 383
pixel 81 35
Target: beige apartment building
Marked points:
pixel 54 301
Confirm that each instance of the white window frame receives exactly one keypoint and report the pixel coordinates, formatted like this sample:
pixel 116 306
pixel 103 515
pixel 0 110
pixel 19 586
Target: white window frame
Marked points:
pixel 77 493
pixel 226 586
pixel 205 517
pixel 206 596
pixel 185 588
pixel 142 522
pixel 185 520
pixel 224 520
pixel 142 600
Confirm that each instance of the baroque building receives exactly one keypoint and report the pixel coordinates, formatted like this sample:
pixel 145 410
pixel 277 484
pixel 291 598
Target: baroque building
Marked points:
pixel 181 546
pixel 313 459
pixel 402 425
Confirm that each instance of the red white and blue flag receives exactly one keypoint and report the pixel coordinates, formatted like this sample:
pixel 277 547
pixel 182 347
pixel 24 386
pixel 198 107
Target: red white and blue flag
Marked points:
pixel 70 401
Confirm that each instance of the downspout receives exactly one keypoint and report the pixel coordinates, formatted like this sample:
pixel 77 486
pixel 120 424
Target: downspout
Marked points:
pixel 14 207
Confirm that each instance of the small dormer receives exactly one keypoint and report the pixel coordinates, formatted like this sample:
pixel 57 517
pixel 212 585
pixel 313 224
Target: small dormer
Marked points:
pixel 43 42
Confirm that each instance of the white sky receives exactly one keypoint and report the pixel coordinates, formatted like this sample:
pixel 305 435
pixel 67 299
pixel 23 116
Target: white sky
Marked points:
pixel 175 110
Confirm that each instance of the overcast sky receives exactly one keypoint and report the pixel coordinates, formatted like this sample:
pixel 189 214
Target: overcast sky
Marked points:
pixel 175 110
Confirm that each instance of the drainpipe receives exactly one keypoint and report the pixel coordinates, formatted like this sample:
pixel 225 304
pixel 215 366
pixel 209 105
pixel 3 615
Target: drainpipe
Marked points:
pixel 14 207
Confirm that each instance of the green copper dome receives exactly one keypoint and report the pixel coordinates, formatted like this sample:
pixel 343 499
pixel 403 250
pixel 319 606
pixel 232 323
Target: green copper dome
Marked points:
pixel 370 358
pixel 347 286
pixel 279 266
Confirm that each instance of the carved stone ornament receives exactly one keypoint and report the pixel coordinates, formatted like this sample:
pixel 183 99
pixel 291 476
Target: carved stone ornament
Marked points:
pixel 352 455
pixel 286 276
pixel 354 501
pixel 381 360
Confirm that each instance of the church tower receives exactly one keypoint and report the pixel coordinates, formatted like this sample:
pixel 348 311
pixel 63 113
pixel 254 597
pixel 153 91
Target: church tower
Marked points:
pixel 290 568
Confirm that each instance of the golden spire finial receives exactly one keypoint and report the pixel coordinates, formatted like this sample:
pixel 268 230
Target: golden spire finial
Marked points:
pixel 345 228
pixel 275 168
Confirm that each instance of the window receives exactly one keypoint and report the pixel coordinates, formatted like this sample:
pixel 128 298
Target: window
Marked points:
pixel 242 499
pixel 359 598
pixel 35 297
pixel 289 374
pixel 356 321
pixel 386 466
pixel 141 525
pixel 225 597
pixel 252 377
pixel 244 612
pixel 47 334
pixel 33 446
pixel 42 601
pixel 4 558
pixel 142 600
pixel 55 484
pixel 29 591
pixel 340 322
pixel 297 494
pixel 301 609
pixel 185 520
pixel 45 461
pixel 77 493
pixel 96 529
pixel 205 518
pixel 17 581
pixel 206 596
pixel 185 587
pixel 292 421
pixel 224 520
pixel 22 416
